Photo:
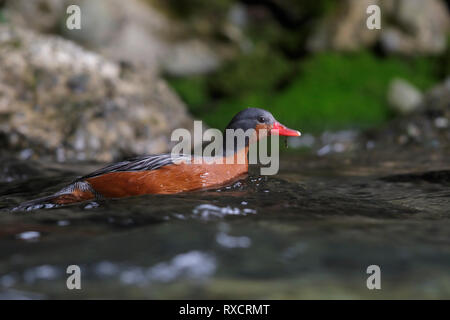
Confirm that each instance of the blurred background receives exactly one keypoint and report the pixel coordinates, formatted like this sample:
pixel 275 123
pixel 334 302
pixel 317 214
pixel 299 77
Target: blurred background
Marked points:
pixel 138 69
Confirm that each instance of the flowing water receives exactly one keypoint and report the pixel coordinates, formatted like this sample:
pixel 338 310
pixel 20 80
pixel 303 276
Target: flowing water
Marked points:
pixel 309 232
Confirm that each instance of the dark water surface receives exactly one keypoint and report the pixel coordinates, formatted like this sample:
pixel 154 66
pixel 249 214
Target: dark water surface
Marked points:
pixel 309 232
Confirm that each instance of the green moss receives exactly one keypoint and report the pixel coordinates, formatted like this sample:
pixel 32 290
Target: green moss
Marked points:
pixel 2 16
pixel 325 91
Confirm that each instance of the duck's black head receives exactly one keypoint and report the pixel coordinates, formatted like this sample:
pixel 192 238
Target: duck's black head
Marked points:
pixel 254 118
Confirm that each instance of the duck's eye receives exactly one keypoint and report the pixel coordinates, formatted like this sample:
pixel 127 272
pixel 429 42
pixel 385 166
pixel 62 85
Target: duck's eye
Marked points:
pixel 261 119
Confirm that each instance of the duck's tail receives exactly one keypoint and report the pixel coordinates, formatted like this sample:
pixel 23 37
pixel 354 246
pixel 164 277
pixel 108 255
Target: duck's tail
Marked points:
pixel 78 191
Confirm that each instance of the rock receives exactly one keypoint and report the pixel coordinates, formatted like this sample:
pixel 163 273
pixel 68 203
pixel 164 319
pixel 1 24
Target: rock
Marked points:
pixel 441 122
pixel 131 31
pixel 238 16
pixel 403 97
pixel 43 15
pixel 60 101
pixel 407 27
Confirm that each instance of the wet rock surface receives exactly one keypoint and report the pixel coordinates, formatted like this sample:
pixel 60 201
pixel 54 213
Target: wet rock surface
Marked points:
pixel 60 101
